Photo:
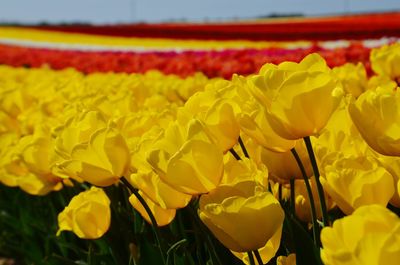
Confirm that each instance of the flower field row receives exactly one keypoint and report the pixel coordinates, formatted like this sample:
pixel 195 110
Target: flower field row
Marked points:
pixel 294 162
pixel 211 63
pixel 350 27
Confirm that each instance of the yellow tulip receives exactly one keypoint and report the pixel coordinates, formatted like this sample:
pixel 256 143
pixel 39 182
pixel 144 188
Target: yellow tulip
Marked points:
pixel 256 126
pixel 8 124
pixel 357 181
pixel 222 125
pixel 88 214
pixel 381 81
pixel 303 211
pixel 216 113
pixel 392 165
pixel 188 160
pixel 243 170
pixel 376 114
pixel 15 99
pixel 163 216
pixel 385 60
pixel 158 191
pixel 196 168
pixel 283 166
pixel 37 151
pixel 77 130
pixel 101 161
pixel 289 260
pixel 339 139
pixel 267 252
pixel 257 215
pixel 10 167
pixel 369 236
pixel 353 77
pixel 37 156
pixel 299 98
pixel 398 187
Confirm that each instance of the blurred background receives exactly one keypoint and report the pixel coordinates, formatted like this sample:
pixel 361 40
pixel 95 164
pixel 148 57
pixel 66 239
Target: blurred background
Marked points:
pixel 126 11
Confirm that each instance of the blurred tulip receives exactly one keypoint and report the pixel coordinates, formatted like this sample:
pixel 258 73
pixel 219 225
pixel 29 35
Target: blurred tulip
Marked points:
pixel 376 115
pixel 368 236
pixel 244 170
pixel 381 81
pixel 289 260
pixel 339 139
pixel 392 165
pixel 386 60
pixel 77 130
pixel 101 161
pixel 353 78
pixel 37 156
pixel 354 182
pixel 303 210
pixel 283 166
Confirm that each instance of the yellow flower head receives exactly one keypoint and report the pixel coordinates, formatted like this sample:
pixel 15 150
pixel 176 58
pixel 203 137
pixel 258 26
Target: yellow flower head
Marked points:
pixel 299 98
pixel 88 214
pixel 376 114
pixel 283 166
pixel 162 215
pixel 369 236
pixel 257 215
pixel 386 61
pixel 289 260
pixel 186 158
pixel 357 181
pixel 353 77
pixel 101 161
pixel 216 113
pixel 243 170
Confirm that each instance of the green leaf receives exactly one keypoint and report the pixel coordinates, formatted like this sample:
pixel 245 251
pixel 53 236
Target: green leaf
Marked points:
pixel 149 254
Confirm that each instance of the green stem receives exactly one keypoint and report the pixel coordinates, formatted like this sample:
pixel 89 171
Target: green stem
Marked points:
pixel 292 196
pixel 280 192
pixel 148 211
pixel 205 233
pixel 243 148
pixel 236 155
pixel 251 258
pixel 310 197
pixel 258 257
pixel 320 189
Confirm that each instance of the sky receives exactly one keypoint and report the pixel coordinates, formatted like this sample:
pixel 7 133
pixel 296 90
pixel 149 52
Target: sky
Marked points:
pixel 126 11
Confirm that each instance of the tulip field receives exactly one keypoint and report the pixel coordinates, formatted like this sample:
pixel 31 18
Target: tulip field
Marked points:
pixel 260 143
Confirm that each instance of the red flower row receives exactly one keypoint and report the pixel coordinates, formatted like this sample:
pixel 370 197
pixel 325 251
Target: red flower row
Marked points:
pixel 365 26
pixel 211 63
